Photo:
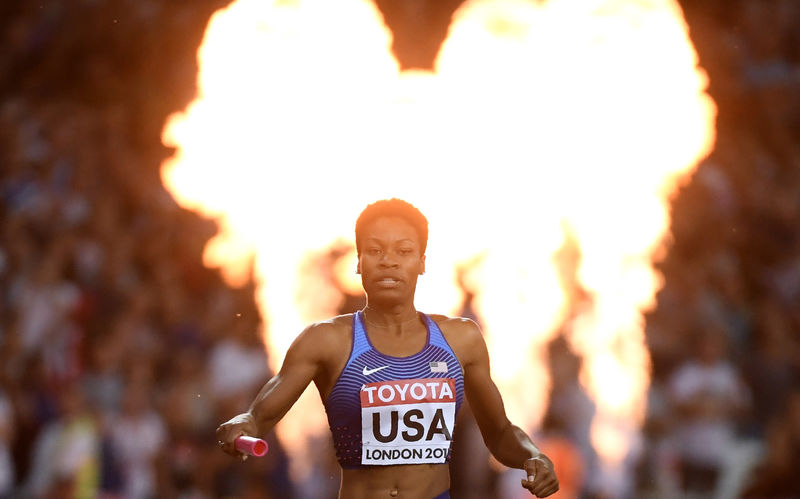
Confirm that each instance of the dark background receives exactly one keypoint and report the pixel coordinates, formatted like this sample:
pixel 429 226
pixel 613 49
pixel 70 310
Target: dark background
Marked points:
pixel 101 279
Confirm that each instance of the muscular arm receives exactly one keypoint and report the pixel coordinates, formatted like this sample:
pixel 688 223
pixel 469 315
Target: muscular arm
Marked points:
pixel 278 395
pixel 508 443
pixel 303 363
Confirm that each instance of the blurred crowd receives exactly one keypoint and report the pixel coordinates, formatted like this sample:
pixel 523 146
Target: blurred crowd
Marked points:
pixel 724 413
pixel 120 352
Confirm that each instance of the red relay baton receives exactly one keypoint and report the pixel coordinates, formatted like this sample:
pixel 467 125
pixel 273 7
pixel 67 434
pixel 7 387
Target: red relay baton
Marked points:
pixel 251 446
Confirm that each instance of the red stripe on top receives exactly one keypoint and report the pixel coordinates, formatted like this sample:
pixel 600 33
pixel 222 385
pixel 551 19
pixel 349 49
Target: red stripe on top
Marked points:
pixel 408 391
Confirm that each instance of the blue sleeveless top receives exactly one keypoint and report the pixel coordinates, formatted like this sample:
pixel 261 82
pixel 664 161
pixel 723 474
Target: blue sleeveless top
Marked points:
pixel 386 410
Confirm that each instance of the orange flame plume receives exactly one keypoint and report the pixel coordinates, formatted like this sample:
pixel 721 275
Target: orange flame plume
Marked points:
pixel 539 119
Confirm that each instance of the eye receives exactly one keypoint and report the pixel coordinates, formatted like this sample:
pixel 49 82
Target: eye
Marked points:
pixel 405 251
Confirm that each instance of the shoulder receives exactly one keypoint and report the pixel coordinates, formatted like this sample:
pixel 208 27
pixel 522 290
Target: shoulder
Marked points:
pixel 463 335
pixel 334 325
pixel 457 325
pixel 324 337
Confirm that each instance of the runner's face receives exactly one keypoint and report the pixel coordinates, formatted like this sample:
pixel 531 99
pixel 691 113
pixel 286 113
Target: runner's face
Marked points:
pixel 390 260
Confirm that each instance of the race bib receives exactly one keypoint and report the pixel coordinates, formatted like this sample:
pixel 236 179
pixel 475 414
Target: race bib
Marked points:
pixel 408 421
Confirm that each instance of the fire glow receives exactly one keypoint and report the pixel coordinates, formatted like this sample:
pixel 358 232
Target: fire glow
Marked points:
pixel 539 119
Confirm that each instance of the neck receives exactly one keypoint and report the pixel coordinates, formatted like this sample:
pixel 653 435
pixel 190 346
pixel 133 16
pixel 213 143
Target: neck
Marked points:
pixel 387 317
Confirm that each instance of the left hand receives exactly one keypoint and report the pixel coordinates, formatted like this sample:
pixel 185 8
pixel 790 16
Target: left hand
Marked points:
pixel 542 479
pixel 242 424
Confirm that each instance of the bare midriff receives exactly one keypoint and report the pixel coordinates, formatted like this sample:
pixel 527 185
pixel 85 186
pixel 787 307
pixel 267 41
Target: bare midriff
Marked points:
pixel 410 481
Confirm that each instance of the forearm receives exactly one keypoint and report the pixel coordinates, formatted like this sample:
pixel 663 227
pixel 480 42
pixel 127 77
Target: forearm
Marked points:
pixel 275 398
pixel 269 406
pixel 513 447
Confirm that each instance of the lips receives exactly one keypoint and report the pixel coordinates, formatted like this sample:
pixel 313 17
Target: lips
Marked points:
pixel 387 282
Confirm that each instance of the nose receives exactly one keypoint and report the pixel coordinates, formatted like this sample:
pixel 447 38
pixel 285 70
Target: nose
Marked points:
pixel 387 260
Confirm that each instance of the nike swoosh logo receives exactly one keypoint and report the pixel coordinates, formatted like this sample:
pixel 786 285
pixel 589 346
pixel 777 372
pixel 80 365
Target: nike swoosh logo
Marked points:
pixel 367 372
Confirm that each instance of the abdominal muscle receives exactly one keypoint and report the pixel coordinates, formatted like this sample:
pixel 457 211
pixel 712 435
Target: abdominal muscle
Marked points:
pixel 410 481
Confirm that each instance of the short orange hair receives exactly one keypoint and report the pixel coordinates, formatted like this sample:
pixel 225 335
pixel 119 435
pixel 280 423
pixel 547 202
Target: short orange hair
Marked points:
pixel 394 208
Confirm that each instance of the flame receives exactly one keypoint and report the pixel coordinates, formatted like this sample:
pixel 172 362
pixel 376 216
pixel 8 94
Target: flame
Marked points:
pixel 539 119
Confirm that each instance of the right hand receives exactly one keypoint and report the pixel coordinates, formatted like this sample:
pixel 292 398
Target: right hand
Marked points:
pixel 227 432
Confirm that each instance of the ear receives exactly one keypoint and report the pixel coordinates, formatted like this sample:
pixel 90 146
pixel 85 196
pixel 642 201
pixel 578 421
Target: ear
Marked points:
pixel 358 267
pixel 422 267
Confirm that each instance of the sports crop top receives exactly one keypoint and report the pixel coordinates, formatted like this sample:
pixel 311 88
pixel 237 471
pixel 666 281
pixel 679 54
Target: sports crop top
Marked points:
pixel 386 410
